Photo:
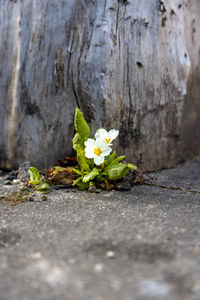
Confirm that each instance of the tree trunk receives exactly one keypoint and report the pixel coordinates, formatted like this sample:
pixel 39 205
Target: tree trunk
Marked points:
pixel 129 65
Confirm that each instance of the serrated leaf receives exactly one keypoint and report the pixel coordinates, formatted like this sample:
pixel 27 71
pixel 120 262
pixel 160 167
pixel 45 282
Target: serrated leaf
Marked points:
pixel 132 166
pixel 43 186
pixel 90 176
pixel 82 130
pixel 81 125
pixel 77 142
pixel 90 162
pixel 115 162
pixel 118 159
pixel 109 159
pixel 82 161
pixel 112 157
pixel 118 171
pixel 34 175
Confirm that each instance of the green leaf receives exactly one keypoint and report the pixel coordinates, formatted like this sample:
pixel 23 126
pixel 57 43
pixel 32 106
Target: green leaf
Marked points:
pixel 132 166
pixel 90 162
pixel 34 175
pixel 78 172
pixel 77 142
pixel 81 125
pixel 114 162
pixel 90 176
pixel 77 181
pixel 83 185
pixel 82 161
pixel 43 186
pixel 102 177
pixel 118 171
pixel 82 130
pixel 109 159
pixel 112 156
pixel 118 159
pixel 44 192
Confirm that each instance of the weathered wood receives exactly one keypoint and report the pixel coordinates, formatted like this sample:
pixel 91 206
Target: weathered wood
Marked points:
pixel 131 65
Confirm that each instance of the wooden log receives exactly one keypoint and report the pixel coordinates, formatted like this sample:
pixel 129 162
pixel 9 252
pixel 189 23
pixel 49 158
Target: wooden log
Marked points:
pixel 129 65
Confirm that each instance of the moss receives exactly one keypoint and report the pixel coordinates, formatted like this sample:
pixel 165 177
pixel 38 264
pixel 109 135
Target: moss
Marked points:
pixel 16 197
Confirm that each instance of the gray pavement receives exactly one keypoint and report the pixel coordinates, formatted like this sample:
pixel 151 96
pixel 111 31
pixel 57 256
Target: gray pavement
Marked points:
pixel 140 244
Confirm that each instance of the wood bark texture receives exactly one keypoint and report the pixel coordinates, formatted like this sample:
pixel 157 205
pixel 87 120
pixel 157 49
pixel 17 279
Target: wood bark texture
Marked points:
pixel 131 65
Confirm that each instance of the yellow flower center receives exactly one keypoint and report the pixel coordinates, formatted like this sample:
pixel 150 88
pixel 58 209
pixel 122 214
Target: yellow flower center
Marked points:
pixel 97 151
pixel 107 140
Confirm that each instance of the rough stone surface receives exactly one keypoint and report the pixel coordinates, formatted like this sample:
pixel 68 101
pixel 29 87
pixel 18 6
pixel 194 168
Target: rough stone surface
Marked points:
pixel 185 176
pixel 23 173
pixel 131 65
pixel 140 244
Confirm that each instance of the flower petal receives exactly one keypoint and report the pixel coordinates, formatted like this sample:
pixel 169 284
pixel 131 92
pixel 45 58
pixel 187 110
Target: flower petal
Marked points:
pixel 106 151
pixel 89 149
pixel 89 152
pixel 101 133
pixel 89 143
pixel 98 160
pixel 100 143
pixel 113 134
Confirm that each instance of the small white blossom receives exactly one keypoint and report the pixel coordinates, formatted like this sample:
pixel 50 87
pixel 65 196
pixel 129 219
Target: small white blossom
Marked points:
pixel 108 136
pixel 97 149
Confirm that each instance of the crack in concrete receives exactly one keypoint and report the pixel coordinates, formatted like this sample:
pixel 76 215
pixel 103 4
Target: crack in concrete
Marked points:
pixel 185 190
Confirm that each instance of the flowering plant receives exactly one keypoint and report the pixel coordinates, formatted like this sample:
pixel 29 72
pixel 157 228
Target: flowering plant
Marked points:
pixel 96 162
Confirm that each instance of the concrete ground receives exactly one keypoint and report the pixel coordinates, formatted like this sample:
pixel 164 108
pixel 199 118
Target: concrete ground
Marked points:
pixel 139 244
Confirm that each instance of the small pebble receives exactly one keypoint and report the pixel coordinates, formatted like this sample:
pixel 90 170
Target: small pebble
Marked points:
pixel 71 261
pixel 36 255
pixel 16 181
pixel 10 177
pixel 23 173
pixel 7 182
pixel 22 188
pixel 98 267
pixel 44 198
pixel 14 173
pixel 110 254
pixel 92 188
pixel 122 186
pixel 30 199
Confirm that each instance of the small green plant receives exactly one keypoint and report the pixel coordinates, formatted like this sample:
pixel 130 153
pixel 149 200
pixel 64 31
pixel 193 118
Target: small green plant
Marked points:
pixel 35 178
pixel 96 162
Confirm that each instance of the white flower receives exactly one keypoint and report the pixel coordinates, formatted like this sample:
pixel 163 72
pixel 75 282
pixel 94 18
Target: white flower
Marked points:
pixel 97 149
pixel 108 136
